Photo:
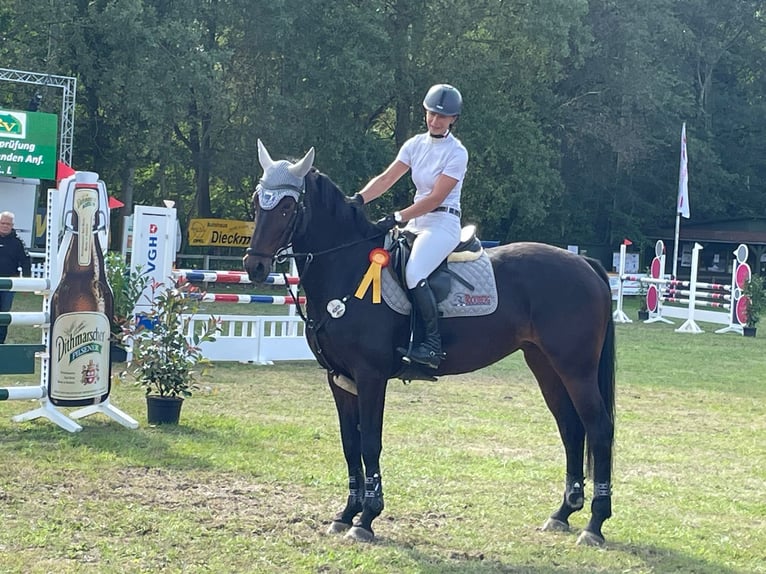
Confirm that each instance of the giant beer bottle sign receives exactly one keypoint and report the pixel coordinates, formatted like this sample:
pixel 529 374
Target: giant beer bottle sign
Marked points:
pixel 81 307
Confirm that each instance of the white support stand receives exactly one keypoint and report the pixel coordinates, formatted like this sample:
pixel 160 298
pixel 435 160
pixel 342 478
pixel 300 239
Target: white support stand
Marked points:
pixel 48 411
pixel 731 328
pixel 109 410
pixel 658 317
pixel 619 315
pixel 689 325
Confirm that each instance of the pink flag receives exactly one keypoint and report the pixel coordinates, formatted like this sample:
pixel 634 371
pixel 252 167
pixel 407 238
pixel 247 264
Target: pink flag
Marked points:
pixel 683 179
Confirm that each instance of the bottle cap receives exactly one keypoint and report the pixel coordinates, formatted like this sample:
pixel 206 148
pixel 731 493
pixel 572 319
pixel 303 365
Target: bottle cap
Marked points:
pixel 86 177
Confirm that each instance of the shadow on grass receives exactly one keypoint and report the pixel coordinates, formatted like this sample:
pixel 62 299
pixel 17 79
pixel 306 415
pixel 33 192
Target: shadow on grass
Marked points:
pixel 652 558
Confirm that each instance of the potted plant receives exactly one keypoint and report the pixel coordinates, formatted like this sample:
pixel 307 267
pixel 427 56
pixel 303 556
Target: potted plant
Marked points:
pixel 165 357
pixel 127 286
pixel 756 300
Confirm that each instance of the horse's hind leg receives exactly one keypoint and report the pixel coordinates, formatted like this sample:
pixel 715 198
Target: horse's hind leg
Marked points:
pixel 572 435
pixel 582 387
pixel 599 428
pixel 348 417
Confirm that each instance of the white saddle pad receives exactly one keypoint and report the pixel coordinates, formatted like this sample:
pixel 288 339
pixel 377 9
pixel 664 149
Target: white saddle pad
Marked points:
pixel 461 301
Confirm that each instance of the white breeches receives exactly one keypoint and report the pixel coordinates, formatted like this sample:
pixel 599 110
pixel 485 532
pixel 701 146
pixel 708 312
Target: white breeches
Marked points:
pixel 437 235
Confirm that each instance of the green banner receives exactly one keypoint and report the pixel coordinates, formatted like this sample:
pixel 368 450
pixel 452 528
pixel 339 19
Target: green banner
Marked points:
pixel 28 142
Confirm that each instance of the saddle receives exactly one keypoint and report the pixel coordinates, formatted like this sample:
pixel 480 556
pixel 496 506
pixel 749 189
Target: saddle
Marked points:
pixel 443 280
pixel 440 280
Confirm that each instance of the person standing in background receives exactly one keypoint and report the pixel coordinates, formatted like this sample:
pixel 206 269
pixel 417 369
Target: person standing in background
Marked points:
pixel 13 254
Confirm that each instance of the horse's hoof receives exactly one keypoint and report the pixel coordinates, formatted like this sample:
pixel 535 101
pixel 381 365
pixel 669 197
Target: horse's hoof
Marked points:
pixel 337 527
pixel 587 538
pixel 555 525
pixel 359 534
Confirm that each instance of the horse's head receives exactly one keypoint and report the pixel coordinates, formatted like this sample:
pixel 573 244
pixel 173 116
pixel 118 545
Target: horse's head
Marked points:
pixel 275 207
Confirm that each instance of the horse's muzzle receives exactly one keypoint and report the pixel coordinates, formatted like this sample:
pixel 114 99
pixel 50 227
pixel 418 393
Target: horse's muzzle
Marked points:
pixel 257 267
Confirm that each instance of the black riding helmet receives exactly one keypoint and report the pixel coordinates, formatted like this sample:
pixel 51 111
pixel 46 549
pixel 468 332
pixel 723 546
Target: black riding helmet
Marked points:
pixel 443 99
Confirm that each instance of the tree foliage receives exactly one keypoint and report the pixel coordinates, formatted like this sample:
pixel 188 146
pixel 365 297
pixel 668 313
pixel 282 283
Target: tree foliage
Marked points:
pixel 572 117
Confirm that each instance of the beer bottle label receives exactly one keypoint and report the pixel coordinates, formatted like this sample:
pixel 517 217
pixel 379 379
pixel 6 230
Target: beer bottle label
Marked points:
pixel 79 356
pixel 85 204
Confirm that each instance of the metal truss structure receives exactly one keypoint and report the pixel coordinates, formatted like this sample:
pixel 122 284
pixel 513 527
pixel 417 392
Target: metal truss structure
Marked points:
pixel 68 86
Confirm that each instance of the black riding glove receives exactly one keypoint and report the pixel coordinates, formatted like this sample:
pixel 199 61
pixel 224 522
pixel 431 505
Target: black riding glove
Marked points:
pixel 357 199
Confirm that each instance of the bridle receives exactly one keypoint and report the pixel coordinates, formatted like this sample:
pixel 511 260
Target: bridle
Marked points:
pixel 268 199
pixel 284 252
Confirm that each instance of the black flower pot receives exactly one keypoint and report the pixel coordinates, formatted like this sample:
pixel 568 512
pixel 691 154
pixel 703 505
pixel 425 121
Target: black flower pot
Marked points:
pixel 643 315
pixel 748 331
pixel 163 410
pixel 117 353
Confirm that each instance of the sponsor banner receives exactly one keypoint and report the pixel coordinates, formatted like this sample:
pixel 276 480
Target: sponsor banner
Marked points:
pixel 28 142
pixel 220 232
pixel 154 241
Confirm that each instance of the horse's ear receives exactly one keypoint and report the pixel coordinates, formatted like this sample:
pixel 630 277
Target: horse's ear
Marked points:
pixel 264 157
pixel 301 168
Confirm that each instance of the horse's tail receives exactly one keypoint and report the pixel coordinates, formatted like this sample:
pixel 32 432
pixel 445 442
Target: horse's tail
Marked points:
pixel 606 365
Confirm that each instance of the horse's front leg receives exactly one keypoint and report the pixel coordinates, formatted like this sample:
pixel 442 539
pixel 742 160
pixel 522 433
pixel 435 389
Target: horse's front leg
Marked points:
pixel 371 400
pixel 348 417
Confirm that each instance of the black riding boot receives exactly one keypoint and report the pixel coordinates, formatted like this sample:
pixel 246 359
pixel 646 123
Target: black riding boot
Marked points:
pixel 428 352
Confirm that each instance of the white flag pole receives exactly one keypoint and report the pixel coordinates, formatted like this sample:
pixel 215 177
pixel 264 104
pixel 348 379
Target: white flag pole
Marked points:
pixel 675 248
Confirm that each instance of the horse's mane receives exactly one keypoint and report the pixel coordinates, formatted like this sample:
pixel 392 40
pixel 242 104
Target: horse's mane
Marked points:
pixel 322 194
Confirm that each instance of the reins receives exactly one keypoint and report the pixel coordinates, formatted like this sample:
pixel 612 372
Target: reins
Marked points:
pixel 283 254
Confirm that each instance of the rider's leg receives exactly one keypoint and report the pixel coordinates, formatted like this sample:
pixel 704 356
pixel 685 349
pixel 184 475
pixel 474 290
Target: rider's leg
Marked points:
pixel 429 351
pixel 436 237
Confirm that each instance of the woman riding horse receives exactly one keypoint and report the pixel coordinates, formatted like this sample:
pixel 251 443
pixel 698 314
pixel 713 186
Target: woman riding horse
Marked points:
pixel 553 305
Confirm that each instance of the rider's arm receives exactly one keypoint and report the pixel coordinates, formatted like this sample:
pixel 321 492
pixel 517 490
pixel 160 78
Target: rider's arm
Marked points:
pixel 379 184
pixel 444 184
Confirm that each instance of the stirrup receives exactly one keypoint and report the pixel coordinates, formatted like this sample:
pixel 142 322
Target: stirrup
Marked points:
pixel 432 361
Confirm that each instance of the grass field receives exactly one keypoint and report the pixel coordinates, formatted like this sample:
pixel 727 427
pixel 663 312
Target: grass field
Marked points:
pixel 472 465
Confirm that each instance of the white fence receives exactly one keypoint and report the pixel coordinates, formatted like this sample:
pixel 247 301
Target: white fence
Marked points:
pixel 259 339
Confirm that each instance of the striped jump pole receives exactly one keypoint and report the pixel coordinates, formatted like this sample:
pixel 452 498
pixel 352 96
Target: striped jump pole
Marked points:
pixel 678 283
pixel 672 292
pixel 31 319
pixel 230 277
pixel 699 303
pixel 21 393
pixel 24 284
pixel 234 298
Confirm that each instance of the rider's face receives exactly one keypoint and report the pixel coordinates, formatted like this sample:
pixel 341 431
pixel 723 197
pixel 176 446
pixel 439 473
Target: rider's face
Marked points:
pixel 438 124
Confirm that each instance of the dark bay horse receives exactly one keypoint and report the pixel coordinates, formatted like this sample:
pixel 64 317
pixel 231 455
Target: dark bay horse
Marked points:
pixel 553 305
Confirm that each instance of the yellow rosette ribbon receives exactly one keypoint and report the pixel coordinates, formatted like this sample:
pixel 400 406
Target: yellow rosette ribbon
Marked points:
pixel 379 258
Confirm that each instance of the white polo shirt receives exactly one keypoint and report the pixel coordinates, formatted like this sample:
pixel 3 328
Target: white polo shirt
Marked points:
pixel 428 158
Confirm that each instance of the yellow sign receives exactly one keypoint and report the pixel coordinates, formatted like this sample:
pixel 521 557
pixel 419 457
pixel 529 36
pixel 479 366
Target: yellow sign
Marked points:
pixel 220 232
